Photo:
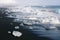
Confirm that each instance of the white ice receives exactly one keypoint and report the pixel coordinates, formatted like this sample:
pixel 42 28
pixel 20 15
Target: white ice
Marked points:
pixel 17 33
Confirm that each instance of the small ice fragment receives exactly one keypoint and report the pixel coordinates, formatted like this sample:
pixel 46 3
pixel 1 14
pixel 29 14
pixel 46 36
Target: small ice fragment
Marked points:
pixel 16 27
pixel 17 33
pixel 9 31
pixel 52 27
pixel 6 13
pixel 21 24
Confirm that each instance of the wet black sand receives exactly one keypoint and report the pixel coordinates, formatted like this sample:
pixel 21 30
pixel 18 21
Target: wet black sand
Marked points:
pixel 6 26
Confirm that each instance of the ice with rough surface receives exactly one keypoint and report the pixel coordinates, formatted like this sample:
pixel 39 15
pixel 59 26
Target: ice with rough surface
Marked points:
pixel 17 33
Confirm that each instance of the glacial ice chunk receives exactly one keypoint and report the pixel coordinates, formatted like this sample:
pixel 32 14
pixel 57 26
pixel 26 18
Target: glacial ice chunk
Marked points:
pixel 16 27
pixel 17 33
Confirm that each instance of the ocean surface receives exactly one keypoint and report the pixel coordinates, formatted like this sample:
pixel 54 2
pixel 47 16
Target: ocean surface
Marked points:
pixel 29 31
